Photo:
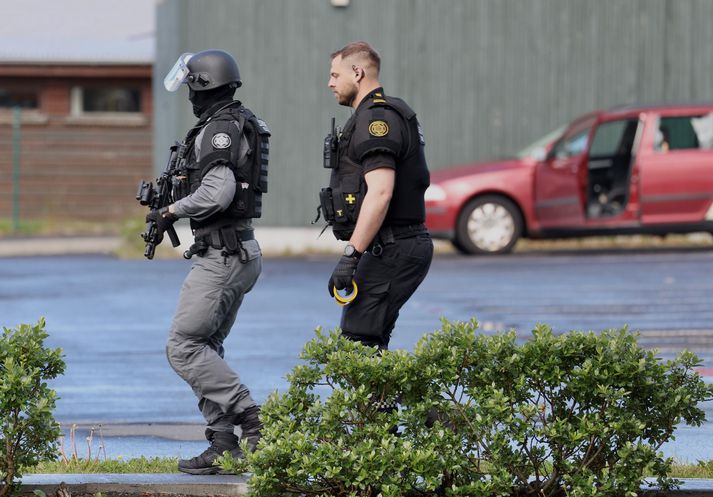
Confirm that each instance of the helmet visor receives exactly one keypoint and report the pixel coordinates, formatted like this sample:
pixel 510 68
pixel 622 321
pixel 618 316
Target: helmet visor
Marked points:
pixel 178 73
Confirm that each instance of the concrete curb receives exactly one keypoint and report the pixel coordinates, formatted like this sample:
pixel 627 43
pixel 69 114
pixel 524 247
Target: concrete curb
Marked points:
pixel 164 483
pixel 213 485
pixel 274 241
pixel 46 246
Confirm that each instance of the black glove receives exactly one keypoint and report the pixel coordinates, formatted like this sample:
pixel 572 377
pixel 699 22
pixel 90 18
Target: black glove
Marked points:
pixel 163 219
pixel 343 274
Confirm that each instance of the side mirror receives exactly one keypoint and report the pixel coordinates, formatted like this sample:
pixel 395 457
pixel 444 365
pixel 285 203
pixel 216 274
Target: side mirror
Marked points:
pixel 539 154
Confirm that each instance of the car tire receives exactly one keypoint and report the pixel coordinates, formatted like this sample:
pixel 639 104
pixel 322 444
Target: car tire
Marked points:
pixel 490 224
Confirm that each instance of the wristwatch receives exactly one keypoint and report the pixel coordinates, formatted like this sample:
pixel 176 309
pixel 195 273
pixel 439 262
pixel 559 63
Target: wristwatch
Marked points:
pixel 350 251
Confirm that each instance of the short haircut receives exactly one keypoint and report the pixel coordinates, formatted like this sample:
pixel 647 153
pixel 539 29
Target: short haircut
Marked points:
pixel 362 50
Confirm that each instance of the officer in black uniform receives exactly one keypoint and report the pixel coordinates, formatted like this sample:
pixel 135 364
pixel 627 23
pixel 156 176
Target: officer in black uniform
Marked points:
pixel 222 175
pixel 375 200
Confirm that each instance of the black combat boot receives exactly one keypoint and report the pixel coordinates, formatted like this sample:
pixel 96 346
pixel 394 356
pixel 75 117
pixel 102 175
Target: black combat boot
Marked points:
pixel 388 408
pixel 250 426
pixel 203 464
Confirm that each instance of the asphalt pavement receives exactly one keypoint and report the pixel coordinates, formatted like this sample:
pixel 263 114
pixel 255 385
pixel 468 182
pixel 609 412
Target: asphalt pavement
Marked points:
pixel 111 316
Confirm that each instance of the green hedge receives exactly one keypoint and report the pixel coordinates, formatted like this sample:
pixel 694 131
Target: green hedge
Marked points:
pixel 579 414
pixel 28 431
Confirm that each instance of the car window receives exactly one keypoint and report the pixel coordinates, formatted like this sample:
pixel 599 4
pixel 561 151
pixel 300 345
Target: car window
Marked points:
pixel 571 146
pixel 540 142
pixel 684 132
pixel 613 138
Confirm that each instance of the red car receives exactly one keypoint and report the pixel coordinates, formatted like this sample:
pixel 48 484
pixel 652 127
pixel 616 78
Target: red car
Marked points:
pixel 621 171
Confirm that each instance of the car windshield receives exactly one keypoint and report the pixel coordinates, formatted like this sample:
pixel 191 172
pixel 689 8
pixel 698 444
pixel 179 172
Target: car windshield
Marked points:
pixel 539 143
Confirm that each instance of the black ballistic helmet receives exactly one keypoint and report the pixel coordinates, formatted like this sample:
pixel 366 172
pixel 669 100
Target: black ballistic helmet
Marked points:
pixel 210 69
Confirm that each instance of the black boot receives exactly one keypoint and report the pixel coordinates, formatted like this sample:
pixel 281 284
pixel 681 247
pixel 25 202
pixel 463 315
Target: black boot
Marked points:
pixel 250 426
pixel 388 408
pixel 203 464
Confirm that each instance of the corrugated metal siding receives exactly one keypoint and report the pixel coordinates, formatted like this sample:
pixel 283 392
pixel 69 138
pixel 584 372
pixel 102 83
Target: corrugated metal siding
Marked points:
pixel 486 77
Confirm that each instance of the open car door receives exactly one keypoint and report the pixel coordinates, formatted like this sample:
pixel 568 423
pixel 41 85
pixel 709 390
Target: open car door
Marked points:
pixel 609 171
pixel 559 193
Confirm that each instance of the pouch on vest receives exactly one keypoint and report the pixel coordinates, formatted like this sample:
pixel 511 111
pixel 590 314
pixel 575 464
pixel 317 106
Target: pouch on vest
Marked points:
pixel 351 195
pixel 230 239
pixel 252 165
pixel 327 204
pixel 188 179
pixel 181 188
pixel 340 209
pixel 263 155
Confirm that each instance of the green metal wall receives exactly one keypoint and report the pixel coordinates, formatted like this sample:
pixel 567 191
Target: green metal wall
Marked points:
pixel 485 76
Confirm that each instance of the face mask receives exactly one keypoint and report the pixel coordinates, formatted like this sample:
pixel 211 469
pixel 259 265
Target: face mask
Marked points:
pixel 202 100
pixel 198 100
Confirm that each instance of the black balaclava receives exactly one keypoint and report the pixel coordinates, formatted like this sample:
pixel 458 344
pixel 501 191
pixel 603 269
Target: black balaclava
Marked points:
pixel 203 100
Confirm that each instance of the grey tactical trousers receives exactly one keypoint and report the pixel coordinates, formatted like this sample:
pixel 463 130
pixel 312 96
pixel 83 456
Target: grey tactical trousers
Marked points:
pixel 209 301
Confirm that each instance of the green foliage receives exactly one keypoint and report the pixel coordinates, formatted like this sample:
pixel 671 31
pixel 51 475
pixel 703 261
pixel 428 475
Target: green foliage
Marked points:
pixel 133 245
pixel 33 227
pixel 578 414
pixel 28 431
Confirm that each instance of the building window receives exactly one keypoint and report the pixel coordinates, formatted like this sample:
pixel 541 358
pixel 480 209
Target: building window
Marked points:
pixel 25 99
pixel 105 100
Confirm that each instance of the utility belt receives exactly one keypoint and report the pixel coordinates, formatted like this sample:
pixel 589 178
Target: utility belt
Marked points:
pixel 388 235
pixel 227 238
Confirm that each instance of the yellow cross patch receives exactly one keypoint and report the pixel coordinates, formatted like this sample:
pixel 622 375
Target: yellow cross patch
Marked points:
pixel 350 198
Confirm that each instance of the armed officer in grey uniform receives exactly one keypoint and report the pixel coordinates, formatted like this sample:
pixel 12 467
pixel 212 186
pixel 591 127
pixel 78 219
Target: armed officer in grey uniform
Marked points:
pixel 222 177
pixel 375 199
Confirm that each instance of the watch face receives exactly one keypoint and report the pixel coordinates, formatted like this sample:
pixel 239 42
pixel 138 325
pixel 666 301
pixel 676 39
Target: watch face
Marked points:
pixel 349 251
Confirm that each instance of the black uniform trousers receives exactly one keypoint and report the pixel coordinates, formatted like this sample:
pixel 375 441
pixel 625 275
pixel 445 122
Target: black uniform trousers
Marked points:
pixel 385 282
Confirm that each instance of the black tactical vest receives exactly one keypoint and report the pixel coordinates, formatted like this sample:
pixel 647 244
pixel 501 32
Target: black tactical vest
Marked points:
pixel 340 203
pixel 245 139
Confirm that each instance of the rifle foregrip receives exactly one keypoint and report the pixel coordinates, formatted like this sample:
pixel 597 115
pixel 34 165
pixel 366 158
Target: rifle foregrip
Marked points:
pixel 149 250
pixel 173 236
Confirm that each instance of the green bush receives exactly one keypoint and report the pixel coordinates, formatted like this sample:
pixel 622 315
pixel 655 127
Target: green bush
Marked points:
pixel 578 414
pixel 28 431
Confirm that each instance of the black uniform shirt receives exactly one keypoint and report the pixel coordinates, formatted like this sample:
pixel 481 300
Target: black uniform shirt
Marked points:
pixel 379 134
pixel 383 138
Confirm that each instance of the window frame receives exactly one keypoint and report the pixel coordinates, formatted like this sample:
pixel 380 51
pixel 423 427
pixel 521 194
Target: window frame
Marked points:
pixel 78 116
pixel 76 101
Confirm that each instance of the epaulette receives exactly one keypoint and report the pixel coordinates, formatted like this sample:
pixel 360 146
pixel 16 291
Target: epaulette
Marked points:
pixel 378 98
pixel 396 104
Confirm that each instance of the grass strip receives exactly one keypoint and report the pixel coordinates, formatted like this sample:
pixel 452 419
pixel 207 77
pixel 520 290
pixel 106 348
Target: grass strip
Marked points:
pixel 116 466
pixel 703 469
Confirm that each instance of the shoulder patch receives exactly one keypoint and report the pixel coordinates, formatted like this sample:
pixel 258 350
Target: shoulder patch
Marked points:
pixel 263 125
pixel 378 128
pixel 221 140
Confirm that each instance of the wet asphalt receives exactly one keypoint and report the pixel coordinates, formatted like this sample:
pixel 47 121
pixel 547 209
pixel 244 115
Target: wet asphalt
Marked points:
pixel 111 318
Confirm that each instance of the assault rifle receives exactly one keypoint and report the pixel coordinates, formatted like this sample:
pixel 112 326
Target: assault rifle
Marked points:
pixel 158 197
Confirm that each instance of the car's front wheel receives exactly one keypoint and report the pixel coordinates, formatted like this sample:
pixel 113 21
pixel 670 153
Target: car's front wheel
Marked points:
pixel 490 224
